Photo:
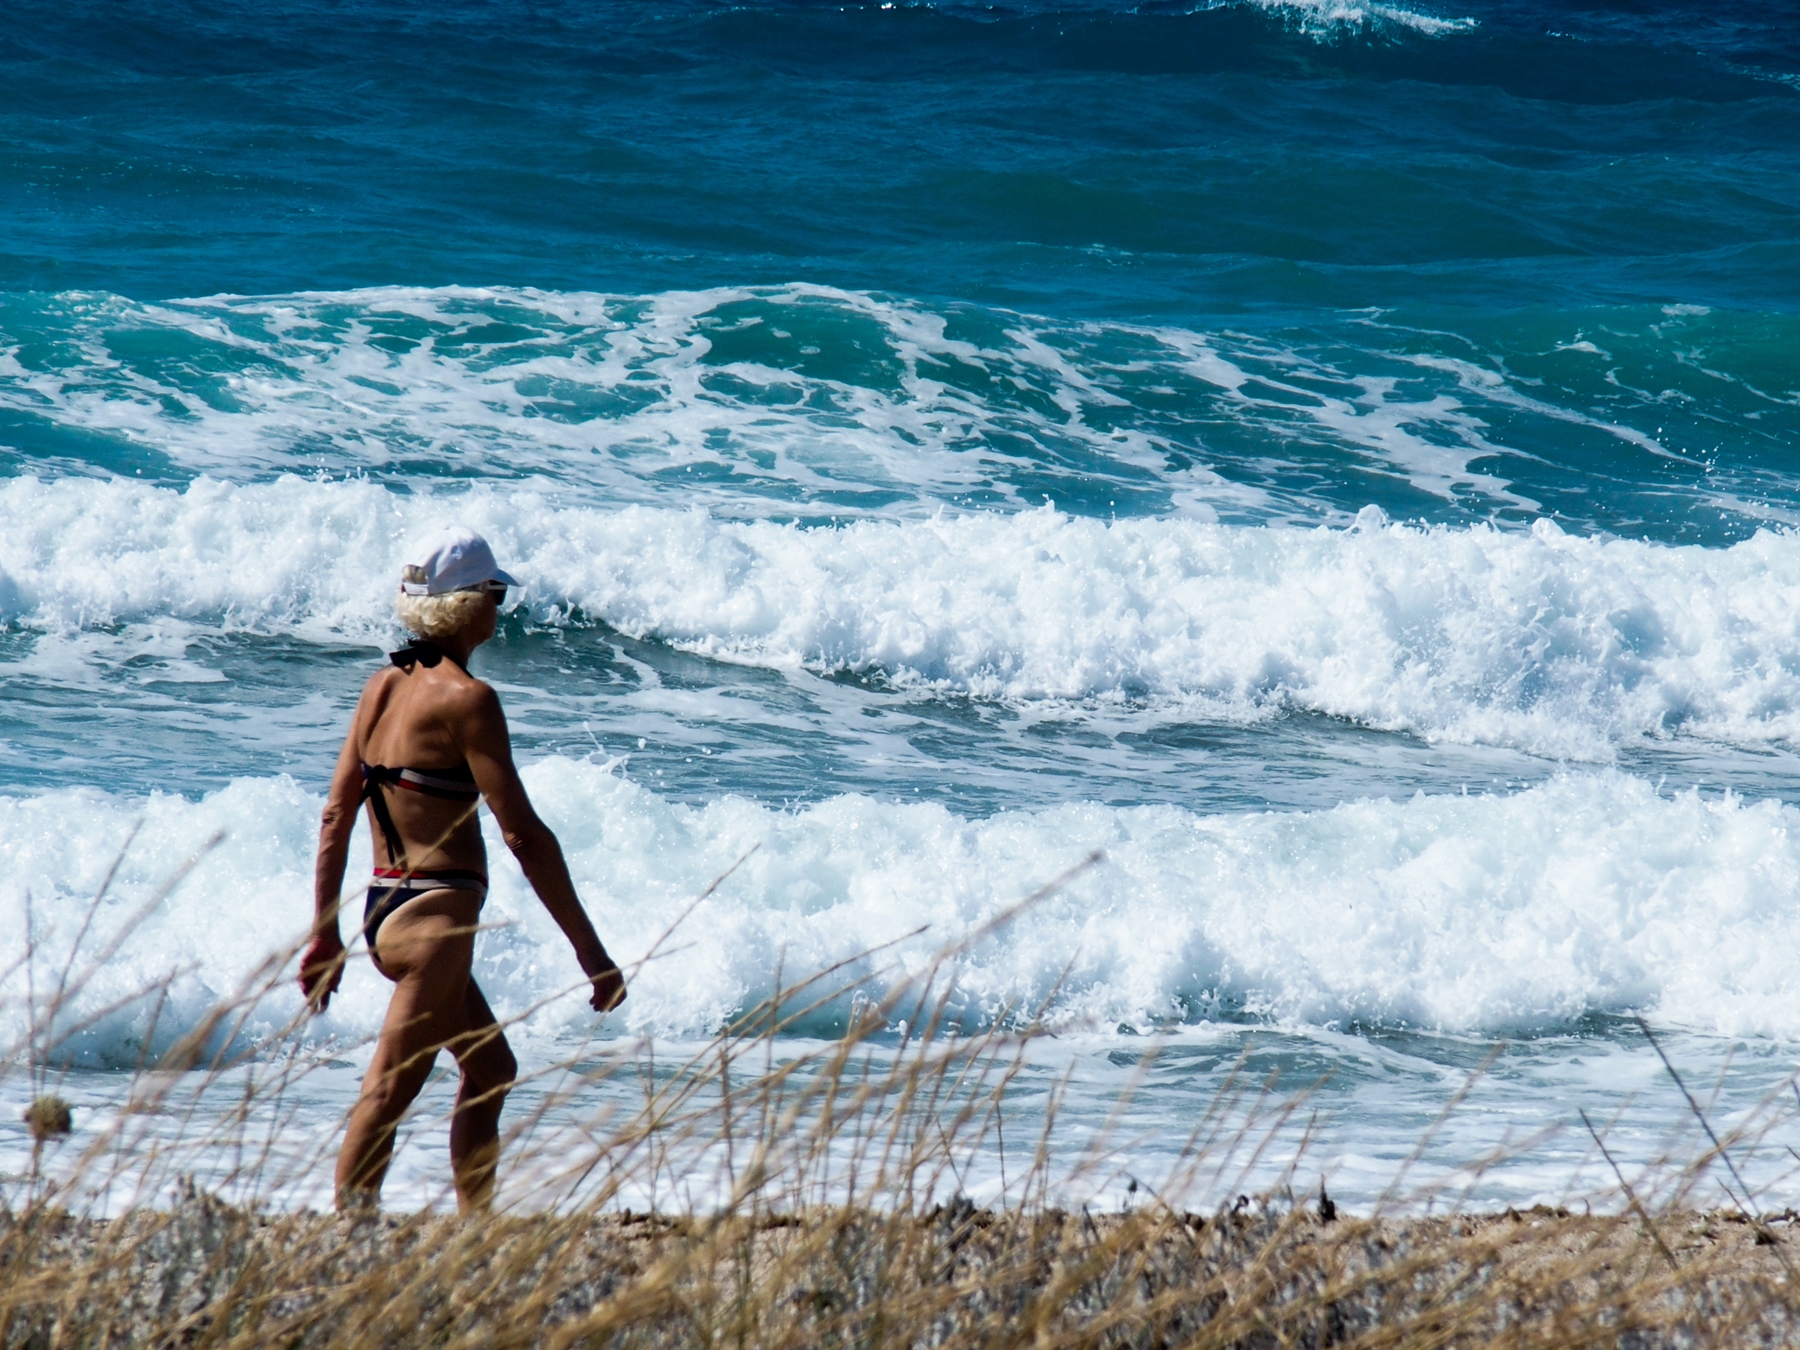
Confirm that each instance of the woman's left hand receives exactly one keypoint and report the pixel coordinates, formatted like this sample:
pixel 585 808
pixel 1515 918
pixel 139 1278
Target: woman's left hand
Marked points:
pixel 609 987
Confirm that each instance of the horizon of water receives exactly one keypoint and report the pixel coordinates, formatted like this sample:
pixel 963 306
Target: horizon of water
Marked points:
pixel 1333 459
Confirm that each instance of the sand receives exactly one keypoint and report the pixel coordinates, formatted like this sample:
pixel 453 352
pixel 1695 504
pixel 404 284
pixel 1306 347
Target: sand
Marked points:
pixel 1266 1275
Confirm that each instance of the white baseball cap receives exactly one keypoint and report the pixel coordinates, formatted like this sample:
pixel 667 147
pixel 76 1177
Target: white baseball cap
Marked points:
pixel 453 559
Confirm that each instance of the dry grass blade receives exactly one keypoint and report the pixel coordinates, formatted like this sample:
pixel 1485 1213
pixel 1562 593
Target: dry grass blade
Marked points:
pixel 1631 1198
pixel 1724 1155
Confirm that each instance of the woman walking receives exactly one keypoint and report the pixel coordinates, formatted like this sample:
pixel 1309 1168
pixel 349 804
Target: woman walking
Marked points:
pixel 428 743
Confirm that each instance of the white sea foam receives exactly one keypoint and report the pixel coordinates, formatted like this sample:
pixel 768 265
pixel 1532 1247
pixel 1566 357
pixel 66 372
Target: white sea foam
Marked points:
pixel 1330 18
pixel 1589 894
pixel 829 400
pixel 1553 643
pixel 614 393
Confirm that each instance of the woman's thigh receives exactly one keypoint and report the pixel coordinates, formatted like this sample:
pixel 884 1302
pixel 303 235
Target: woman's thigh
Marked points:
pixel 484 1057
pixel 426 946
pixel 431 934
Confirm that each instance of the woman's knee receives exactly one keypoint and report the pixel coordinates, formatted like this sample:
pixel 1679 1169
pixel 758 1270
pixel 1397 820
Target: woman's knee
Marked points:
pixel 388 1094
pixel 489 1068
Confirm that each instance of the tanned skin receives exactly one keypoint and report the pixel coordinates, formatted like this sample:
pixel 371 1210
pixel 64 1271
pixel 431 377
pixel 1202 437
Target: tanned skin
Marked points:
pixel 430 717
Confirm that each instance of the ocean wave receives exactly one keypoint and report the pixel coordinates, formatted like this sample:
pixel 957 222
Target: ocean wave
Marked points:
pixel 1525 51
pixel 828 403
pixel 1554 643
pixel 1335 18
pixel 1591 894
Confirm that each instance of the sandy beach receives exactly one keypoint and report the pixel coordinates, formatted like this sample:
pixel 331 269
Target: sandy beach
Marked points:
pixel 206 1274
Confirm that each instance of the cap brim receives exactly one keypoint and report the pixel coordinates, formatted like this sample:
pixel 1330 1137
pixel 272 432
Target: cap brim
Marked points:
pixel 503 576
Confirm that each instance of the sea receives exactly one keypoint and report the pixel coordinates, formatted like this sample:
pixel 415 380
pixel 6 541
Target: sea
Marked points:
pixel 1339 462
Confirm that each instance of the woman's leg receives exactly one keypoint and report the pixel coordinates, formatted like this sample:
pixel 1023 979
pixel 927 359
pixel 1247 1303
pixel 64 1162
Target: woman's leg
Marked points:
pixel 488 1069
pixel 426 947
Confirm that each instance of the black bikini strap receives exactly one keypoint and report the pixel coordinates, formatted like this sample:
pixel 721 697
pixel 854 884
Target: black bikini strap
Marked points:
pixel 426 653
pixel 374 775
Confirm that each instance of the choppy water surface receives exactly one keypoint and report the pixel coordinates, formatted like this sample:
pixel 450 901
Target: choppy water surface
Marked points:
pixel 1338 461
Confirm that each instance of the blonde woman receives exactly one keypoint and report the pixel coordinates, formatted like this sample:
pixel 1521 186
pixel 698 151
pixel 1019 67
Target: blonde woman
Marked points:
pixel 426 712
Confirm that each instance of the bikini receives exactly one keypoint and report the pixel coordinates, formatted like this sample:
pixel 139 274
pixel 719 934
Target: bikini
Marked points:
pixel 455 784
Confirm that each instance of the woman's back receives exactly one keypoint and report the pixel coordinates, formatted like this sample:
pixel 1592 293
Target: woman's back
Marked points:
pixel 407 740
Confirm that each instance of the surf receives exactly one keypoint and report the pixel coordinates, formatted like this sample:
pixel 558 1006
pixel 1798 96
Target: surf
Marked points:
pixel 1560 645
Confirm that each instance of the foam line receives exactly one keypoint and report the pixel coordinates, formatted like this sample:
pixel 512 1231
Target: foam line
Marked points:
pixel 1554 643
pixel 1590 894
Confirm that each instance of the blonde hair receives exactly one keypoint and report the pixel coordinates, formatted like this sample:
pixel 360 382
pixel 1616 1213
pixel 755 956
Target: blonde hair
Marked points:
pixel 438 616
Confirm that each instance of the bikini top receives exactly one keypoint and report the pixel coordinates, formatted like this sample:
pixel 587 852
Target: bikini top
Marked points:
pixel 455 784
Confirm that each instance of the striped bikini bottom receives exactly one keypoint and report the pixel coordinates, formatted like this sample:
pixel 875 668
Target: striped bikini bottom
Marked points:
pixel 393 887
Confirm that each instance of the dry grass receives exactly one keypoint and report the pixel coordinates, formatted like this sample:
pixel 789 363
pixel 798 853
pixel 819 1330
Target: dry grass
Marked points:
pixel 831 1213
pixel 207 1274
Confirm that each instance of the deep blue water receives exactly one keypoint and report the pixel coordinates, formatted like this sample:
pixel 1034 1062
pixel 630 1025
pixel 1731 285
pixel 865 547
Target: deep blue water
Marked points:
pixel 1098 160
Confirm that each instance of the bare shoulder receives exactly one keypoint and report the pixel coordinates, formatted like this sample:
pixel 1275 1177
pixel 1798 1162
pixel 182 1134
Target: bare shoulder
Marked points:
pixel 471 698
pixel 471 708
pixel 381 679
pixel 376 691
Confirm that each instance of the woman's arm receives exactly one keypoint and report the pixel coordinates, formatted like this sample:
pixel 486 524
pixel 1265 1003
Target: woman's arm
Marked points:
pixel 322 963
pixel 488 749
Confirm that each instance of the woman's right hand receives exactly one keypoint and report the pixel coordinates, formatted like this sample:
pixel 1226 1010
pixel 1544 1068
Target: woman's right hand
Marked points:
pixel 321 968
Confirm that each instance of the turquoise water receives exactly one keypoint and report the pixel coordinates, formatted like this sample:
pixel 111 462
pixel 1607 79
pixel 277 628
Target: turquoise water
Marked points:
pixel 1338 459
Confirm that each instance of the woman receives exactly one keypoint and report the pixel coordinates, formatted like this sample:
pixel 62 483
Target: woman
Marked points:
pixel 427 713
